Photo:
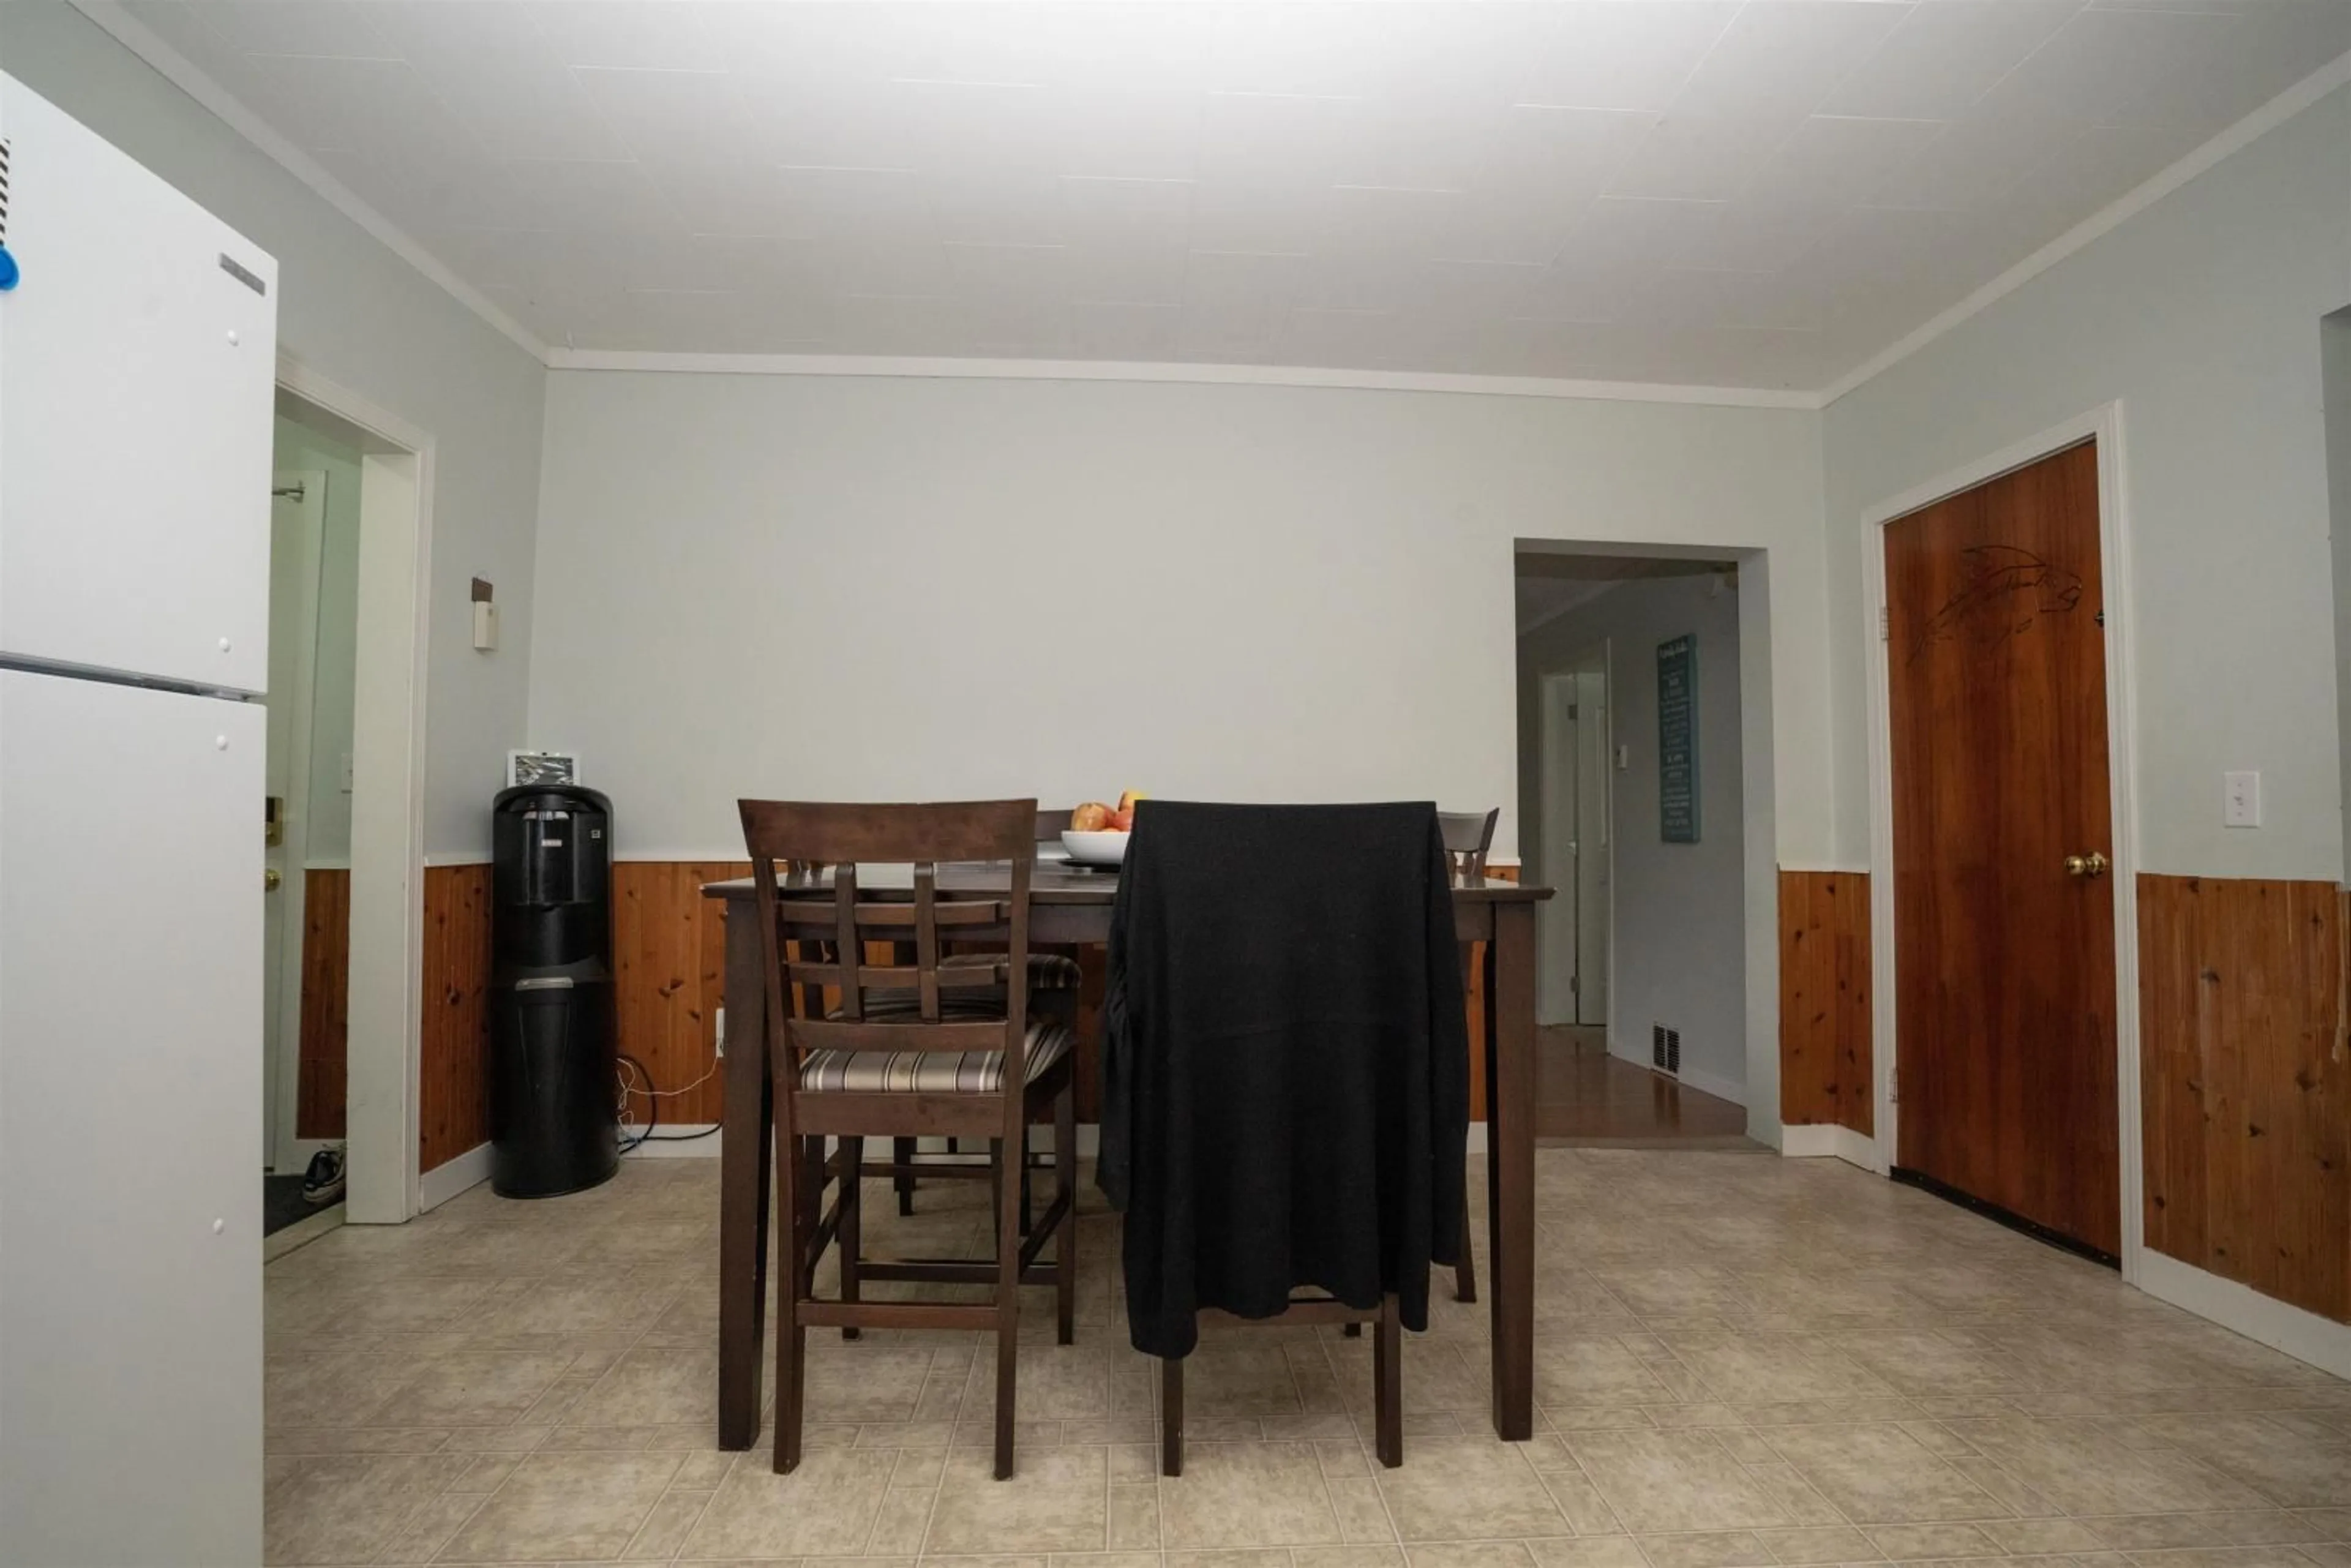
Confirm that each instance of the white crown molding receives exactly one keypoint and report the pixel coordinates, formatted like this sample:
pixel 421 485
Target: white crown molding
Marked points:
pixel 950 368
pixel 2236 138
pixel 182 73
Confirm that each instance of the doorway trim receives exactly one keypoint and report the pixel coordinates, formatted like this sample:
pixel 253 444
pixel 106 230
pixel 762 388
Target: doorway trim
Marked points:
pixel 1548 737
pixel 288 1150
pixel 2103 424
pixel 385 1043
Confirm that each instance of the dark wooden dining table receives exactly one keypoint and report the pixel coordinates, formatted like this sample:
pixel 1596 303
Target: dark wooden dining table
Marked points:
pixel 1071 906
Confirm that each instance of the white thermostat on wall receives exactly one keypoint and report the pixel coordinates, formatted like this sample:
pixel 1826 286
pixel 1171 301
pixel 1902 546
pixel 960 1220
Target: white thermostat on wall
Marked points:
pixel 542 768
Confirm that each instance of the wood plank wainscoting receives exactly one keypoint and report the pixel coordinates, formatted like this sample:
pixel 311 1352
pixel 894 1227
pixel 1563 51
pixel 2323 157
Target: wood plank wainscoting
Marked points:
pixel 453 1093
pixel 322 1073
pixel 2245 1076
pixel 1826 1078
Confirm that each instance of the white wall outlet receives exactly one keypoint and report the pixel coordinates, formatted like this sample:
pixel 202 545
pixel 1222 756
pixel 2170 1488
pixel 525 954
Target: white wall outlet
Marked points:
pixel 722 1030
pixel 2240 800
pixel 1623 759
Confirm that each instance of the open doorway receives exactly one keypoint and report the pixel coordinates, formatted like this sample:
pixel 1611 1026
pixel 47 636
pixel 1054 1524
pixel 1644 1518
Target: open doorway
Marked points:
pixel 344 1015
pixel 1630 798
pixel 307 820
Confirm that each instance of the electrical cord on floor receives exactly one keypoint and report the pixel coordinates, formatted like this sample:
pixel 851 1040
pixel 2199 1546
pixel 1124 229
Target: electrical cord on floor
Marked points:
pixel 653 1097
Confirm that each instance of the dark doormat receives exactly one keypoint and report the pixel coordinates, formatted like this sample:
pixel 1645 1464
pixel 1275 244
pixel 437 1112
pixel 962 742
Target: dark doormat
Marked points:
pixel 282 1205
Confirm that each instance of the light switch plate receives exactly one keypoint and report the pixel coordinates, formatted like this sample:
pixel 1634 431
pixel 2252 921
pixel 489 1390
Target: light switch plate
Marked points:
pixel 2240 799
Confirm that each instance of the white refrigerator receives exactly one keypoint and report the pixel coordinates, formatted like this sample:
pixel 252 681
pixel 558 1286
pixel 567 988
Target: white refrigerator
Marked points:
pixel 137 374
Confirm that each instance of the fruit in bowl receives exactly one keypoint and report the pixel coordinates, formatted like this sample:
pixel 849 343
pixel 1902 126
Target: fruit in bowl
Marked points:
pixel 1097 833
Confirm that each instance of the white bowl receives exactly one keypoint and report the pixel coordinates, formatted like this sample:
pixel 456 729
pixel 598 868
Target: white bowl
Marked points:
pixel 1095 849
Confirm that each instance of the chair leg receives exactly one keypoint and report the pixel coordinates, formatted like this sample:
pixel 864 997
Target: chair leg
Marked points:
pixel 902 1174
pixel 1027 1202
pixel 1387 1383
pixel 1465 1272
pixel 1007 1303
pixel 1171 1416
pixel 1065 1190
pixel 790 1341
pixel 852 1221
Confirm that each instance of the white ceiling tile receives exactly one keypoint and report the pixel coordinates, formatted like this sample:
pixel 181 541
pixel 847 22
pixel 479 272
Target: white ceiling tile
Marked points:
pixel 1272 219
pixel 736 198
pixel 1617 234
pixel 1123 329
pixel 1131 133
pixel 1831 162
pixel 426 195
pixel 717 321
pixel 586 198
pixel 1966 166
pixel 853 259
pixel 833 43
pixel 487 62
pixel 1560 157
pixel 1244 285
pixel 1016 327
pixel 1783 57
pixel 893 324
pixel 1015 210
pixel 1141 213
pixel 641 35
pixel 1031 272
pixel 1502 292
pixel 1787 301
pixel 813 122
pixel 1606 53
pixel 317 28
pixel 1339 339
pixel 1422 144
pixel 986 128
pixel 686 115
pixel 1509 227
pixel 1273 139
pixel 1730 236
pixel 1692 158
pixel 370 105
pixel 2101 61
pixel 1945 56
pixel 1357 283
pixel 1369 221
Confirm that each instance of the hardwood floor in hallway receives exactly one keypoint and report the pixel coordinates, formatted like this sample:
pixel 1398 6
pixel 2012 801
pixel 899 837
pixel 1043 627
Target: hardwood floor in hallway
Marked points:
pixel 1585 1096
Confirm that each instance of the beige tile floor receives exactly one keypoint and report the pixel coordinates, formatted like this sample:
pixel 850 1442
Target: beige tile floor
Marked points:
pixel 1739 1360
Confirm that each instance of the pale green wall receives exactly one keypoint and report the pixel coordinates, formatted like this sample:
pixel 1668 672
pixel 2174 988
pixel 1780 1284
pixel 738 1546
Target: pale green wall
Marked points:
pixel 329 840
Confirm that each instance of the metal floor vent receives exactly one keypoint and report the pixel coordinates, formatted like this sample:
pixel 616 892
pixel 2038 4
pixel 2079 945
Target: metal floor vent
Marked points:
pixel 1665 1047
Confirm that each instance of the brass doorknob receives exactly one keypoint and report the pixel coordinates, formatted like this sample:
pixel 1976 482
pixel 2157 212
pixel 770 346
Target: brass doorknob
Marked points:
pixel 270 879
pixel 2093 864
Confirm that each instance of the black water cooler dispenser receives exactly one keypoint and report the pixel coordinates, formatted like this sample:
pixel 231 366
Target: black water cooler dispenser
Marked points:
pixel 554 1112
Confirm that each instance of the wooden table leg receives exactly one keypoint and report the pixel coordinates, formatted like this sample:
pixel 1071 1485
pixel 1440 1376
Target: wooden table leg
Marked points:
pixel 746 1146
pixel 1509 1047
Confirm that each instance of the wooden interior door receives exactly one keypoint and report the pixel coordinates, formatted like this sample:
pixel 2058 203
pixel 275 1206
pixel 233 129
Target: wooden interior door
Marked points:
pixel 2003 895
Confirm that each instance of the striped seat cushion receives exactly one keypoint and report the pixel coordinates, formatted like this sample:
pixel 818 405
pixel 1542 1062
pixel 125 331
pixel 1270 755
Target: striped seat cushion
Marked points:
pixel 1052 972
pixel 929 1072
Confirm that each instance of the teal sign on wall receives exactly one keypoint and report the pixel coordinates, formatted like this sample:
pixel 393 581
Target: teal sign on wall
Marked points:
pixel 1677 741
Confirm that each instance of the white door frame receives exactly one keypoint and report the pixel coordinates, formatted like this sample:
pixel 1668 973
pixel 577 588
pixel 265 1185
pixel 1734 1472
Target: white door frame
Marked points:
pixel 2103 424
pixel 1550 734
pixel 287 1149
pixel 1551 759
pixel 387 918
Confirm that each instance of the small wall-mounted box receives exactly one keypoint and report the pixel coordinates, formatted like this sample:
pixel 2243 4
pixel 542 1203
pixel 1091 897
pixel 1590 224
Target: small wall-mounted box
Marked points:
pixel 485 617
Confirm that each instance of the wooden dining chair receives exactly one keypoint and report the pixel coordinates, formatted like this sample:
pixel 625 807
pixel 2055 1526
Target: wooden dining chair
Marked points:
pixel 946 1045
pixel 1054 979
pixel 1468 836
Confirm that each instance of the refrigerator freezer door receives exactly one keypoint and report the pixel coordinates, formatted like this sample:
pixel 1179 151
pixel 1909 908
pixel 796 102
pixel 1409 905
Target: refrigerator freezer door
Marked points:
pixel 130 1123
pixel 137 382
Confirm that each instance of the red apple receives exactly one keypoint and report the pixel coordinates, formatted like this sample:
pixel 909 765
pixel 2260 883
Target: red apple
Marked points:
pixel 1123 821
pixel 1093 817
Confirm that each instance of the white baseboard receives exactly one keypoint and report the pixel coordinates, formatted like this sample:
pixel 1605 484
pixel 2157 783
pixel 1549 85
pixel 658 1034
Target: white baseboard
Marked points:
pixel 446 1180
pixel 1827 1141
pixel 2306 1336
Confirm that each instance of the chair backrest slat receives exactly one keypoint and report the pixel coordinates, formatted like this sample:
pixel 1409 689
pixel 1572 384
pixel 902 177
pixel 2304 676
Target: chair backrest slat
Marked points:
pixel 792 843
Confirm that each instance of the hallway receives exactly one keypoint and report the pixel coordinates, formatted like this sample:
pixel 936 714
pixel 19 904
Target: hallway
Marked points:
pixel 1586 1098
